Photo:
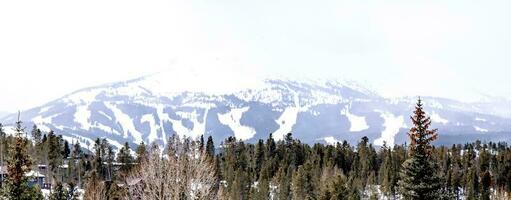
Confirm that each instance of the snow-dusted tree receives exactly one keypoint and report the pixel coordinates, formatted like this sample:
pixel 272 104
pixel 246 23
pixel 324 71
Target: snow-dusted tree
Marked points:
pixel 183 172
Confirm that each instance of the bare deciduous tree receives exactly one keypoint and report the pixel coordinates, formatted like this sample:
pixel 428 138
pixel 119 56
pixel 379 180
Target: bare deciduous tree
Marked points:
pixel 183 172
pixel 95 189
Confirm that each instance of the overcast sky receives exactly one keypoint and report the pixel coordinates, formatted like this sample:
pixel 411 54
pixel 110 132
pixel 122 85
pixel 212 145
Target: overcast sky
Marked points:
pixel 461 48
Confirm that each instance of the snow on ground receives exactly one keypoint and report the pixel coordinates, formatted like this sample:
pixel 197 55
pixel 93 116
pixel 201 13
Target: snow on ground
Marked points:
pixel 435 117
pixel 83 141
pixel 153 134
pixel 232 119
pixel 163 118
pixel 477 128
pixel 9 130
pixel 357 123
pixel 480 119
pixel 331 140
pixel 114 143
pixel 126 122
pixel 287 120
pixel 43 120
pixel 46 193
pixel 435 104
pixel 44 109
pixel 392 126
pixel 105 128
pixel 43 128
pixel 82 116
pixel 198 128
pixel 104 114
pixel 266 95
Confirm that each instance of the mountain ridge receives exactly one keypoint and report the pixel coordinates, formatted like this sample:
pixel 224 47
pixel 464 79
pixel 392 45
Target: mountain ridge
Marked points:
pixel 142 109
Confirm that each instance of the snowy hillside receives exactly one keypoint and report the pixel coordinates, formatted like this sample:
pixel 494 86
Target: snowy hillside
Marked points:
pixel 154 107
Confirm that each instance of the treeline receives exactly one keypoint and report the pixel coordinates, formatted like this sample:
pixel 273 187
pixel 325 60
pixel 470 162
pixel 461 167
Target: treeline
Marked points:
pixel 268 169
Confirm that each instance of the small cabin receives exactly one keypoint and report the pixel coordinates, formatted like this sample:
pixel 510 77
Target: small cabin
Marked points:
pixel 36 177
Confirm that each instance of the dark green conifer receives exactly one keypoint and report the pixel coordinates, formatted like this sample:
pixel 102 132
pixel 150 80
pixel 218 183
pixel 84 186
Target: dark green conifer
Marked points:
pixel 419 180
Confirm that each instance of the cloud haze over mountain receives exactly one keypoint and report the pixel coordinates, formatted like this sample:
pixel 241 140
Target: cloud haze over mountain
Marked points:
pixel 49 48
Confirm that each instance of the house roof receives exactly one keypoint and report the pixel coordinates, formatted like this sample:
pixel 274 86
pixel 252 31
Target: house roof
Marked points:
pixel 32 173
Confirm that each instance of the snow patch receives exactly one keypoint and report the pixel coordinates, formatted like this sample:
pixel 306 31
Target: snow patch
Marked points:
pixel 232 119
pixel 105 128
pixel 83 141
pixel 287 120
pixel 435 104
pixel 357 123
pixel 331 140
pixel 114 143
pixel 82 116
pixel 198 128
pixel 104 114
pixel 44 109
pixel 480 119
pixel 435 117
pixel 43 120
pixel 477 128
pixel 126 122
pixel 392 126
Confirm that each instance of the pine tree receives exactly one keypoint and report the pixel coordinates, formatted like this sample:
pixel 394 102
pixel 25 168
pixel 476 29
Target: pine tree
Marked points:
pixel 59 192
pixel 36 134
pixel 210 147
pixel 472 184
pixel 54 154
pixel 141 153
pixel 66 151
pixel 259 158
pixel 284 177
pixel 77 157
pixel 302 183
pixel 485 186
pixel 71 169
pixel 110 158
pixel 240 186
pixel 333 184
pixel 98 158
pixel 263 186
pixel 201 143
pixel 387 173
pixel 418 176
pixel 124 157
pixel 18 165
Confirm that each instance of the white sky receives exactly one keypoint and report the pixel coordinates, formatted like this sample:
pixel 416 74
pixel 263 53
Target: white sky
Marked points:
pixel 50 48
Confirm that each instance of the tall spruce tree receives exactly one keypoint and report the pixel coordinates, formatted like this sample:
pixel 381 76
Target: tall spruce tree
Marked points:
pixel 19 164
pixel 485 186
pixel 419 180
pixel 36 134
pixel 141 153
pixel 210 147
pixel 125 159
pixel 54 154
pixel 388 173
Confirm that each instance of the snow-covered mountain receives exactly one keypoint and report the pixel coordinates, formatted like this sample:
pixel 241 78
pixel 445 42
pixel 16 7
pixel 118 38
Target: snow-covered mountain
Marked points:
pixel 3 113
pixel 154 107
